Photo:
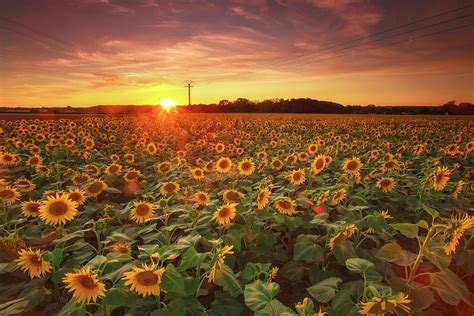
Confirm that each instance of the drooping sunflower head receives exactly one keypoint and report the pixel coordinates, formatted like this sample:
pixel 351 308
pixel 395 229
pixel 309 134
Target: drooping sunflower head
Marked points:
pixel 121 248
pixel 30 208
pixel 169 188
pixel 201 197
pixel 232 196
pixel 145 280
pixel 225 214
pixel 338 197
pixel 263 198
pixel 296 177
pixel 246 167
pixel 96 188
pixel 385 304
pixel 223 165
pixel 342 234
pixel 32 261
pixel 441 178
pixel 386 184
pixel 456 226
pixel 58 209
pixel 141 211
pixel 84 285
pixel 285 206
pixel 352 166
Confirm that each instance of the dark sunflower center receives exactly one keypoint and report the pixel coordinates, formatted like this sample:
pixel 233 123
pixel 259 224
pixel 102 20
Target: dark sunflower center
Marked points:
pixel 284 204
pixel 169 187
pixel 297 176
pixel 246 165
pixel 147 278
pixel 262 196
pixel 34 161
pixel 113 169
pixel 6 194
pixel 223 164
pixel 87 282
pixel 233 196
pixel 352 165
pixel 95 187
pixel 142 209
pixel 36 259
pixel 224 212
pixel 58 208
pixel 33 207
pixel 385 183
pixel 319 164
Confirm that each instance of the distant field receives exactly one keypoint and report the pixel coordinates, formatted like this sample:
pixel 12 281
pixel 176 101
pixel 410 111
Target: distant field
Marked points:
pixel 237 214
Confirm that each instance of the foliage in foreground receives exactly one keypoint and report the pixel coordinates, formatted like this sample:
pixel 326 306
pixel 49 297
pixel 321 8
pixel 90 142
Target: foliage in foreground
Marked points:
pixel 244 214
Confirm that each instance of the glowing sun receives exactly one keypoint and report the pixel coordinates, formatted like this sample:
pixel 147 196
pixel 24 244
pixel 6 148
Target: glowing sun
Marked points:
pixel 167 104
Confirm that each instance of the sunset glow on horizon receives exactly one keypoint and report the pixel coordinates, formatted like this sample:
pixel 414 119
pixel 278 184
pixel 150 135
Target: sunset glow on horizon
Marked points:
pixel 84 53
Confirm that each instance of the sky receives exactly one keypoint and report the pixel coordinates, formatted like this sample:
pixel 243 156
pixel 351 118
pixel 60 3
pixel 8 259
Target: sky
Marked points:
pixel 88 52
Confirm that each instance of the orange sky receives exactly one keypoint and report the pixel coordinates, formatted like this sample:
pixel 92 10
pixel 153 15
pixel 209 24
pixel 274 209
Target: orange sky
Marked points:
pixel 80 53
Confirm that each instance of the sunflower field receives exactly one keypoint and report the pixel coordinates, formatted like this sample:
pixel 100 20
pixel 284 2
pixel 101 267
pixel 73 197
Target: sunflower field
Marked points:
pixel 191 214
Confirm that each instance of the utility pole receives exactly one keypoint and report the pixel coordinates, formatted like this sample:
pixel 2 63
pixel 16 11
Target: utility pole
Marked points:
pixel 189 85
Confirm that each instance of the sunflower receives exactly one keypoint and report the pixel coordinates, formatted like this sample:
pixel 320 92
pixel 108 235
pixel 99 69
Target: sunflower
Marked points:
pixel 223 165
pixel 390 165
pixel 24 185
pixel 276 164
pixel 441 178
pixel 34 161
pixel 8 159
pixel 197 173
pixel 129 158
pixel 163 167
pixel 352 166
pixel 32 261
pixel 323 197
pixel 58 209
pixel 169 188
pixel 225 214
pixel 92 170
pixel 121 248
pixel 313 148
pixel 77 196
pixel 132 175
pixel 145 280
pixel 386 184
pixel 263 198
pixel 84 285
pixel 232 196
pixel 220 148
pixel 338 197
pixel 218 261
pixel 9 195
pixel 457 189
pixel 343 234
pixel 296 177
pixel 30 208
pixel 81 178
pixel 457 225
pixel 201 197
pixel 246 167
pixel 285 206
pixel 141 211
pixel 318 164
pixel 113 169
pixel 96 188
pixel 386 304
pixel 452 150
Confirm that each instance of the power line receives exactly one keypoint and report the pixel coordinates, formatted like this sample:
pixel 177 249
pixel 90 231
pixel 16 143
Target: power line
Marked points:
pixel 375 34
pixel 293 60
